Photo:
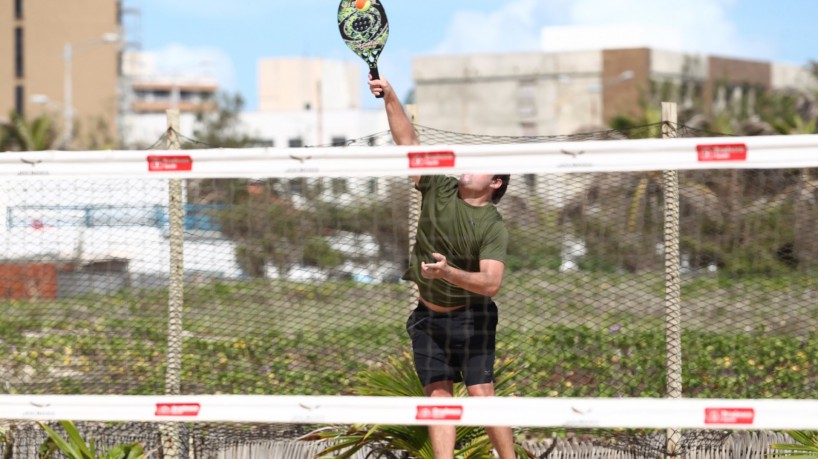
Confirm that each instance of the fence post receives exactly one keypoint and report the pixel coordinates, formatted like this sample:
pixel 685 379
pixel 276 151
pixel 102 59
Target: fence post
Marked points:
pixel 414 215
pixel 172 440
pixel 673 312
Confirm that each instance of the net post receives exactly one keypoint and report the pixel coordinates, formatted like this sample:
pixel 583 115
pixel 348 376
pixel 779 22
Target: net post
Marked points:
pixel 673 319
pixel 171 435
pixel 414 215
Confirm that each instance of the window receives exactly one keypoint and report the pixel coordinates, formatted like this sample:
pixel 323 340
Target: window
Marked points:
pixel 296 142
pixel 19 100
pixel 339 141
pixel 527 98
pixel 18 9
pixel 528 129
pixel 18 52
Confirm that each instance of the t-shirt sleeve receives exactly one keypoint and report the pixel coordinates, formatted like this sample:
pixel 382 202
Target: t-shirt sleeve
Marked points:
pixel 495 245
pixel 427 182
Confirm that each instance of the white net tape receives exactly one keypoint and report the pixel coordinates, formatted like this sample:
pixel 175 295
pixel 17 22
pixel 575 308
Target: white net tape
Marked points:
pixel 474 411
pixel 591 156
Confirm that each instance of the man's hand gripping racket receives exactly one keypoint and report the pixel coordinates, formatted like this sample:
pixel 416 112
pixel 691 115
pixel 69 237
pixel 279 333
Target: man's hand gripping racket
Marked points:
pixel 365 29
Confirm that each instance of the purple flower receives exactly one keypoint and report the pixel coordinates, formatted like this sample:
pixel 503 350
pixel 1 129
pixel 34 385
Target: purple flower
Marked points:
pixel 615 328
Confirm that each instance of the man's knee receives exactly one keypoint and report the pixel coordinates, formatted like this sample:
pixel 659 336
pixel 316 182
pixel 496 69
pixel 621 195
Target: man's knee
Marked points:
pixel 439 389
pixel 481 390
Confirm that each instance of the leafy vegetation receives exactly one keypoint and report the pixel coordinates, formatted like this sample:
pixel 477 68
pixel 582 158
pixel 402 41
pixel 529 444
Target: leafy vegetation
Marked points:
pixel 805 446
pixel 74 446
pixel 396 378
pixel 277 337
pixel 23 135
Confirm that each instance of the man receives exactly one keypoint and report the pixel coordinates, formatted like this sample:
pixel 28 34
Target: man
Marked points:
pixel 458 263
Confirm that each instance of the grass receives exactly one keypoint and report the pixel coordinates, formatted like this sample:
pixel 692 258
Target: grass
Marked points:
pixel 573 334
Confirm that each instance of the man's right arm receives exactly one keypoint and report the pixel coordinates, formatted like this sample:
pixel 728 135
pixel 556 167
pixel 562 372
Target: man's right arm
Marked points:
pixel 403 133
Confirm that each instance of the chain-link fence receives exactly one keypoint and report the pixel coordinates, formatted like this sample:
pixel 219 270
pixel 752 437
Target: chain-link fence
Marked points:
pixel 292 286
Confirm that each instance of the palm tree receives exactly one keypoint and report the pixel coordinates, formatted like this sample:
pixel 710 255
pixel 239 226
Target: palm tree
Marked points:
pixel 5 137
pixel 36 135
pixel 621 221
pixel 805 446
pixel 397 378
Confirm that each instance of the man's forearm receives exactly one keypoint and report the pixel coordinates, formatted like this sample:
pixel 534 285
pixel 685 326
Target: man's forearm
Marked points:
pixel 402 130
pixel 481 283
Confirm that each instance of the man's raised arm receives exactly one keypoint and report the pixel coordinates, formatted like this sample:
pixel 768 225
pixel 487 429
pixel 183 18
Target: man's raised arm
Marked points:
pixel 403 133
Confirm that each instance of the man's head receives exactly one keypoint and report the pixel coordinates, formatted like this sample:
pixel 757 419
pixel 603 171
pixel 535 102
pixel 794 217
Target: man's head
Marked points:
pixel 499 192
pixel 478 184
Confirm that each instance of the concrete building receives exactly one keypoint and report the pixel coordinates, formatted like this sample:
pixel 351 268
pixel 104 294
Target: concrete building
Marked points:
pixel 547 93
pixel 301 102
pixel 61 58
pixel 297 84
pixel 149 91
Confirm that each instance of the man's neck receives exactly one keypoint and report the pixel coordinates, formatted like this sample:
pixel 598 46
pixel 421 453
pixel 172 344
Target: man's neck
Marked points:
pixel 479 200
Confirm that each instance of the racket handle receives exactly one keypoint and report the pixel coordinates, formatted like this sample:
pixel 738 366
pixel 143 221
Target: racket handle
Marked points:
pixel 376 76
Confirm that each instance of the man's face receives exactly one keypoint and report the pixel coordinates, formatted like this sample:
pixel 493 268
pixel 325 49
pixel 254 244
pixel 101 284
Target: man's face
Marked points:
pixel 476 182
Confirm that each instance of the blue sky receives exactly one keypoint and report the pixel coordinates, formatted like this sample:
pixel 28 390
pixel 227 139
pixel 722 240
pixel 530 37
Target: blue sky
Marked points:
pixel 226 38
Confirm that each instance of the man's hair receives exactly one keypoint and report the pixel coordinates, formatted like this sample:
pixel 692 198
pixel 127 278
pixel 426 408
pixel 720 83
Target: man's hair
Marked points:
pixel 499 192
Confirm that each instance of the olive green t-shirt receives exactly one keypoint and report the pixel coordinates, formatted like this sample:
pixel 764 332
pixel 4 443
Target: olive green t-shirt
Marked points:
pixel 463 233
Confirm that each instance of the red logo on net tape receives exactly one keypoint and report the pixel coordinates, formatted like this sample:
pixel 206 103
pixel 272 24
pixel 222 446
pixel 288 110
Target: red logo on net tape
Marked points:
pixel 431 159
pixel 177 409
pixel 439 413
pixel 742 416
pixel 726 152
pixel 158 163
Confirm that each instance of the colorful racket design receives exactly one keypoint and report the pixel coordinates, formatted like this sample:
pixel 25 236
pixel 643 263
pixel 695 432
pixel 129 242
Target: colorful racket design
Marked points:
pixel 364 30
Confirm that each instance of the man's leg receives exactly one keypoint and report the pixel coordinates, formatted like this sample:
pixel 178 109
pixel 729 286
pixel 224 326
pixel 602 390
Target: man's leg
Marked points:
pixel 442 437
pixel 501 437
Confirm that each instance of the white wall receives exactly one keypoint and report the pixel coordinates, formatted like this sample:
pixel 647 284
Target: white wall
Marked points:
pixel 508 94
pixel 312 127
pixel 290 84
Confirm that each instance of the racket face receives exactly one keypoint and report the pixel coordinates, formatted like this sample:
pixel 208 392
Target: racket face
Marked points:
pixel 364 32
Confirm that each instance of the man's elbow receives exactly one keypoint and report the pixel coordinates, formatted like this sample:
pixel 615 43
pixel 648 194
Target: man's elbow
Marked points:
pixel 492 289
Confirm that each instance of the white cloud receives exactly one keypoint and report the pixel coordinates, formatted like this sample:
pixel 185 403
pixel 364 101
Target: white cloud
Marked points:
pixel 701 26
pixel 182 61
pixel 694 25
pixel 514 27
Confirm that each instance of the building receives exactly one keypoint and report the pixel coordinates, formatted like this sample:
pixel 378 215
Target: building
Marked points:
pixel 303 84
pixel 549 93
pixel 149 91
pixel 301 102
pixel 63 59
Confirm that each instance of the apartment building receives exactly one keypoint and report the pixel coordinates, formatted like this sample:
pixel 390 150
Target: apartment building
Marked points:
pixel 62 60
pixel 548 93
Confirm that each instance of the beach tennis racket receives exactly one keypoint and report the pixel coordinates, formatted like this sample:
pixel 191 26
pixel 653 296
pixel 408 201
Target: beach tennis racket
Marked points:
pixel 365 29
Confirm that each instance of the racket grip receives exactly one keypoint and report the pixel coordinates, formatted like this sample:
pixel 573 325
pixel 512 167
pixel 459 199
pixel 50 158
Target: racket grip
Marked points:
pixel 376 76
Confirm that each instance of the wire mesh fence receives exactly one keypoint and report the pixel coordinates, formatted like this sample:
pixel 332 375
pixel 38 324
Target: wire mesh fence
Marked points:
pixel 293 286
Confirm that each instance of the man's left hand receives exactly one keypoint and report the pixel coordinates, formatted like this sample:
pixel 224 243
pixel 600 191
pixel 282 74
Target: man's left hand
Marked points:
pixel 436 270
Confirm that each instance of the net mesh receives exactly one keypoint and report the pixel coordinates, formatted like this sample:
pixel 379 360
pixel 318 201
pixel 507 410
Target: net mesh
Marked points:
pixel 292 286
